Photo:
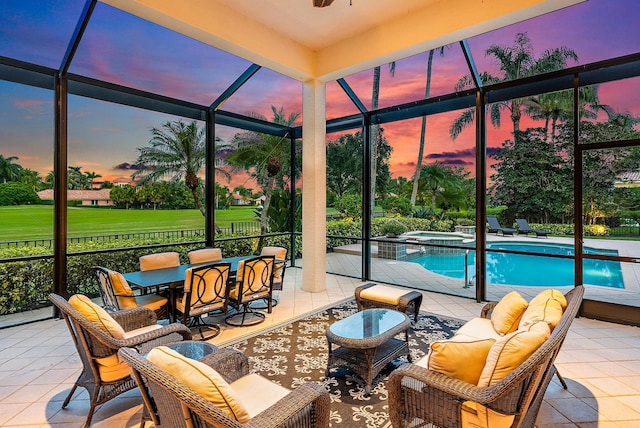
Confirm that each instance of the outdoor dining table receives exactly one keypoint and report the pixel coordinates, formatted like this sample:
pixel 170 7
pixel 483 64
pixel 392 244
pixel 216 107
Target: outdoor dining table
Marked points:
pixel 172 278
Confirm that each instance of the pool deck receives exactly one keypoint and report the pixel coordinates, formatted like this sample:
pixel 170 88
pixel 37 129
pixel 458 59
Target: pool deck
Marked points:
pixel 347 260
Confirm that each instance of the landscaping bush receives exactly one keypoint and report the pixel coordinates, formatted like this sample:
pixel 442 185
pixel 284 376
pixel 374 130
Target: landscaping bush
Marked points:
pixel 397 205
pixel 14 193
pixel 349 206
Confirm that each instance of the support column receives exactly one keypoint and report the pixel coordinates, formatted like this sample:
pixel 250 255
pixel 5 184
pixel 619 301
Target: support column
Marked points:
pixel 314 185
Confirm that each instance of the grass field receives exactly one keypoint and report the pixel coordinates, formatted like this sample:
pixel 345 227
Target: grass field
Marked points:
pixel 36 221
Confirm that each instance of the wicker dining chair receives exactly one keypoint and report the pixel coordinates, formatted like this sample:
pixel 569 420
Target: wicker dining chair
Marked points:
pixel 254 281
pixel 117 295
pixel 176 405
pixel 103 375
pixel 206 289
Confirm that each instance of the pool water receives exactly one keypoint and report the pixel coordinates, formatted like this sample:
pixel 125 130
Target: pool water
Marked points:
pixel 519 269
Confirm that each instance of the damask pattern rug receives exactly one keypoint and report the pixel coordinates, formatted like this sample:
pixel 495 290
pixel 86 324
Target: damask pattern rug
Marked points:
pixel 297 353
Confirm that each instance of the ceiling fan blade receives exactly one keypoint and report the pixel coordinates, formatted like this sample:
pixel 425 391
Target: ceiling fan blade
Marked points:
pixel 322 3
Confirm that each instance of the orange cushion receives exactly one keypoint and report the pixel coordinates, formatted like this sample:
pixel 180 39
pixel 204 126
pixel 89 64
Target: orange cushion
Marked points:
pixel 547 306
pixel 510 351
pixel 506 315
pixel 461 359
pixel 97 315
pixel 159 260
pixel 202 379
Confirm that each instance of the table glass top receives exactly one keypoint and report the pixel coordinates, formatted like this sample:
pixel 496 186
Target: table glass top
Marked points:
pixel 367 324
pixel 193 349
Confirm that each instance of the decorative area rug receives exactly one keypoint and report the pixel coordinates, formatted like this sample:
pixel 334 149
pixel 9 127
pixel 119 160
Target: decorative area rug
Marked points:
pixel 297 353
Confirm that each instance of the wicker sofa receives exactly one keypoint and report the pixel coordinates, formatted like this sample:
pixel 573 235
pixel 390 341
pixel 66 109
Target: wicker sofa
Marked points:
pixel 419 396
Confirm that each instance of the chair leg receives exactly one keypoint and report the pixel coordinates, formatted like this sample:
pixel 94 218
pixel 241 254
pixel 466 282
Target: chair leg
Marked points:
pixel 561 379
pixel 247 315
pixel 197 322
pixel 66 400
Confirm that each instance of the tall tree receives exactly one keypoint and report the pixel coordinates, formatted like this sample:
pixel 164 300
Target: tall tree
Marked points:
pixel 9 171
pixel 423 128
pixel 534 178
pixel 176 152
pixel 266 158
pixel 91 176
pixel 76 180
pixel 31 178
pixel 515 62
pixel 376 134
pixel 344 164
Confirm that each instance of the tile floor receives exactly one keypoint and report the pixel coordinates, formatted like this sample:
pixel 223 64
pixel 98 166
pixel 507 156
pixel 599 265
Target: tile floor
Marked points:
pixel 600 362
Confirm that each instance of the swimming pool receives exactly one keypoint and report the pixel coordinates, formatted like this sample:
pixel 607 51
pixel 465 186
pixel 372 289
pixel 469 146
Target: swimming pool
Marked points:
pixel 519 269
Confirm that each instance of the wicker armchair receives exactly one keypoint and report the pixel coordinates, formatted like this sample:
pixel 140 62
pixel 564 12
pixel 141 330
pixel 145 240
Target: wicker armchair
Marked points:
pixel 95 346
pixel 418 396
pixel 305 407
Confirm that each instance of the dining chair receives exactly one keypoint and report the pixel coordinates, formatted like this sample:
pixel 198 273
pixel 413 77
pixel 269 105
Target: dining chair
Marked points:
pixel 159 260
pixel 117 295
pixel 205 290
pixel 98 335
pixel 279 266
pixel 204 255
pixel 254 280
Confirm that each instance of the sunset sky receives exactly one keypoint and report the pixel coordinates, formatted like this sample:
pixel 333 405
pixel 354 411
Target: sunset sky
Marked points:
pixel 123 49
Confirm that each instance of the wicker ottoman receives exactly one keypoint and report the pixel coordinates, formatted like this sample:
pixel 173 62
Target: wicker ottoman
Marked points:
pixel 381 296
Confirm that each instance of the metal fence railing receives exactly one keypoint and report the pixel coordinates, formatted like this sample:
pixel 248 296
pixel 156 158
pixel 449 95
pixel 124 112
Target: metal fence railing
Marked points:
pixel 243 227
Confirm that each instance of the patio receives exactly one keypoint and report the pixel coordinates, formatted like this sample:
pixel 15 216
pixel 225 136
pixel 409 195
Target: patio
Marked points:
pixel 599 361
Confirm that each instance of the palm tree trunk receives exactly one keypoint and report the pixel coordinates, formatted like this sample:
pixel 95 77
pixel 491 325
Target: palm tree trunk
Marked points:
pixel 423 132
pixel 375 134
pixel 264 217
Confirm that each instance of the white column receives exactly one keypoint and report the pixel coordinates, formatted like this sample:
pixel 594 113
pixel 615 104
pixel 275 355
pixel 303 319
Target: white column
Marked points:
pixel 314 184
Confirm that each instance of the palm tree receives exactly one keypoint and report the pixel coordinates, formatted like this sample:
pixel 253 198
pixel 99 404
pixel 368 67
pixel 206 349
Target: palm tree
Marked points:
pixel 76 179
pixel 558 106
pixel 265 157
pixel 177 152
pixel 9 171
pixel 375 129
pixel 31 178
pixel 423 129
pixel 515 62
pixel 90 177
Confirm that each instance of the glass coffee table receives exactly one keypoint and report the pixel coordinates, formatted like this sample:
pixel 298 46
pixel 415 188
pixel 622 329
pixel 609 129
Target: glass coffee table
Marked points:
pixel 366 342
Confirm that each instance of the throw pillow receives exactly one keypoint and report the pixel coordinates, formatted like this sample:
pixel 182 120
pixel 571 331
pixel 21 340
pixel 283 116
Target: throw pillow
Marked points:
pixel 461 359
pixel 201 378
pixel 97 316
pixel 510 351
pixel 506 315
pixel 547 306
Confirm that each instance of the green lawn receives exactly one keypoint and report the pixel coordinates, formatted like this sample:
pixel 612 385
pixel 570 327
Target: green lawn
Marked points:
pixel 33 222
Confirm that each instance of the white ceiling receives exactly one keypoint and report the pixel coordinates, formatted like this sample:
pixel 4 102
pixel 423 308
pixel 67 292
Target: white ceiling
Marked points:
pixel 317 28
pixel 307 43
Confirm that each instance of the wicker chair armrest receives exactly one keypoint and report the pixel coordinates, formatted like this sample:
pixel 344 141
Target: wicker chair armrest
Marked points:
pixel 504 391
pixel 133 318
pixel 487 309
pixel 294 406
pixel 230 363
pixel 165 335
